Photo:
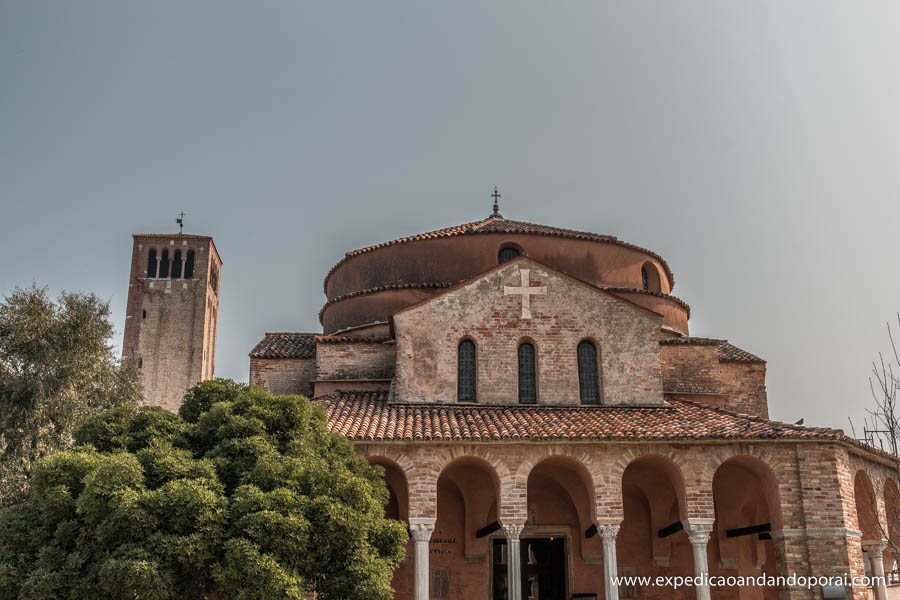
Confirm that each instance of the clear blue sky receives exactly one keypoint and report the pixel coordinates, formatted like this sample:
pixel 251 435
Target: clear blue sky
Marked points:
pixel 755 145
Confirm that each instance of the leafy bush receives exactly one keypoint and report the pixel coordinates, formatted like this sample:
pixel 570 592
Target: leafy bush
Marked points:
pixel 243 496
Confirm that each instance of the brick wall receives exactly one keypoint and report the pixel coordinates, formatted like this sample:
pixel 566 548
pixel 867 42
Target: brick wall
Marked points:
pixel 428 336
pixel 739 386
pixel 356 359
pixel 170 323
pixel 284 375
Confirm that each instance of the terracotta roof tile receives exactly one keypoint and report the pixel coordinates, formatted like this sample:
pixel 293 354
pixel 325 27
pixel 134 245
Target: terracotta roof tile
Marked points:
pixel 494 224
pixel 281 344
pixel 691 341
pixel 730 353
pixel 368 416
pixel 626 290
pixel 726 352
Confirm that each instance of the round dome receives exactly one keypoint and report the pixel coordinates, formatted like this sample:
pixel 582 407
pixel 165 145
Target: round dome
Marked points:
pixel 369 284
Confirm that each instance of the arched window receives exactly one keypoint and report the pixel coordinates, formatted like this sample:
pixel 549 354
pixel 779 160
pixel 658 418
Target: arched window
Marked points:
pixel 164 265
pixel 140 362
pixel 650 277
pixel 189 265
pixel 506 254
pixel 144 314
pixel 465 391
pixel 176 265
pixel 151 263
pixel 527 375
pixel 588 373
pixel 214 280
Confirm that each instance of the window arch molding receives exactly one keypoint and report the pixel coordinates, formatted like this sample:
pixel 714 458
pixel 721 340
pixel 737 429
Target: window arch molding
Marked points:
pixel 590 371
pixel 508 251
pixel 467 370
pixel 527 371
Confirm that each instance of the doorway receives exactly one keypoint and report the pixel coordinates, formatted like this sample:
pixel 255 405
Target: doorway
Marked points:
pixel 543 568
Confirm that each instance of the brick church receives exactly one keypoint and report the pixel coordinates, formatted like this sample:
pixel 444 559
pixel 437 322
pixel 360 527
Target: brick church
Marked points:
pixel 545 421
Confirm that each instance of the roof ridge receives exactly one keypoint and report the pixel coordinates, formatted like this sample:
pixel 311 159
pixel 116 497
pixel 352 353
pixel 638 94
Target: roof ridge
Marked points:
pixel 528 407
pixel 479 227
pixel 325 339
pixel 757 418
pixel 492 218
pixel 614 289
pixel 382 288
pixel 693 340
pixel 291 333
pixel 728 352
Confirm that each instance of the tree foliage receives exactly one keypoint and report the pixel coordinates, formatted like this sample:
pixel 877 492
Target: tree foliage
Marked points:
pixel 242 496
pixel 56 368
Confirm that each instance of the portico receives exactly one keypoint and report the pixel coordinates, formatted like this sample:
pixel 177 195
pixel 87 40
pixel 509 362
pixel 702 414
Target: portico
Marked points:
pixel 657 509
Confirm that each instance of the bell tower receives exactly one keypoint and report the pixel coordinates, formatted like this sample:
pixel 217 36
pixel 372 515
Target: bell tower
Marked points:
pixel 172 313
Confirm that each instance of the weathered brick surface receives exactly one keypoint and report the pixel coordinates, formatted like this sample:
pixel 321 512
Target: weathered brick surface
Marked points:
pixel 170 324
pixel 355 360
pixel 284 375
pixel 737 386
pixel 428 335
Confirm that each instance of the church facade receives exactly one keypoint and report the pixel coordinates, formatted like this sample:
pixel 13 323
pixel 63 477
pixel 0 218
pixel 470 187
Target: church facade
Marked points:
pixel 546 422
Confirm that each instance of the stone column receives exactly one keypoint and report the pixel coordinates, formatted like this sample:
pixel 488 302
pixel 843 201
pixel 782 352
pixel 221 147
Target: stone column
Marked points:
pixel 158 264
pixel 875 550
pixel 608 534
pixel 183 264
pixel 513 561
pixel 421 529
pixel 698 533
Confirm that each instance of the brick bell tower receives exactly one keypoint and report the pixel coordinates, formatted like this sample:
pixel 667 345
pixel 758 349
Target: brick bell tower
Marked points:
pixel 172 313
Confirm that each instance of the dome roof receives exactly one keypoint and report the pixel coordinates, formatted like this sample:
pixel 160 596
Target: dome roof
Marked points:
pixel 369 284
pixel 497 224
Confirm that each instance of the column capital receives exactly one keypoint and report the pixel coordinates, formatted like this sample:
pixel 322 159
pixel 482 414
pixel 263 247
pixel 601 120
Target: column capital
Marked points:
pixel 513 530
pixel 608 532
pixel 421 528
pixel 875 548
pixel 698 529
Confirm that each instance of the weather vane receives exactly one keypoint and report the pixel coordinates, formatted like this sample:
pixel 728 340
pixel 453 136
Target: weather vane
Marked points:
pixel 180 221
pixel 496 197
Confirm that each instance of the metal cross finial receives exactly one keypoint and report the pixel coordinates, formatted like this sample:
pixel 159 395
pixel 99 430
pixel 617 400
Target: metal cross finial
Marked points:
pixel 180 221
pixel 496 197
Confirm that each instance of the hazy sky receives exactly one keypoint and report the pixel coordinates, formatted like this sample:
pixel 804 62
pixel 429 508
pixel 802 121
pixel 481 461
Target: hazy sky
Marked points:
pixel 752 144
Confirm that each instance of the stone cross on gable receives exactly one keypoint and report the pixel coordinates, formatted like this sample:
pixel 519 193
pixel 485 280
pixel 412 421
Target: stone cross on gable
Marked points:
pixel 526 291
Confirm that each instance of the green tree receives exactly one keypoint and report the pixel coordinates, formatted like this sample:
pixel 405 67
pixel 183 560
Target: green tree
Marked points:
pixel 56 368
pixel 241 496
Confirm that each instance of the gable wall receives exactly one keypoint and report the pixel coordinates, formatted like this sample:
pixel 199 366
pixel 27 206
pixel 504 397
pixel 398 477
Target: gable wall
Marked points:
pixel 428 336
